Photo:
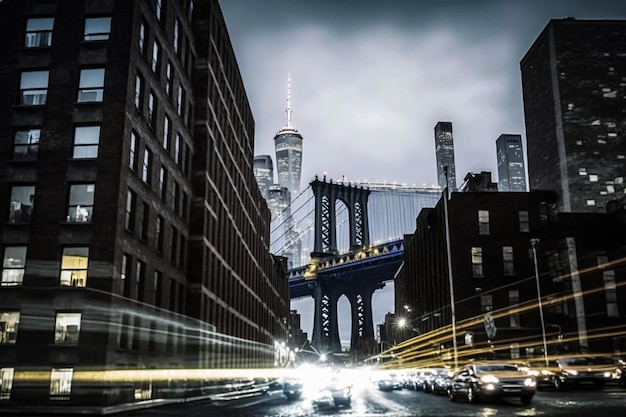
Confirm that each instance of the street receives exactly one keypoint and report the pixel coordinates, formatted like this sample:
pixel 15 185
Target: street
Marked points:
pixel 367 400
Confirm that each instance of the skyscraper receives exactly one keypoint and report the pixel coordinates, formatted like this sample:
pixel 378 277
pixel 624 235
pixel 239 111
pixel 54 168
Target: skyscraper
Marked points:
pixel 264 173
pixel 511 169
pixel 573 79
pixel 134 234
pixel 288 145
pixel 444 151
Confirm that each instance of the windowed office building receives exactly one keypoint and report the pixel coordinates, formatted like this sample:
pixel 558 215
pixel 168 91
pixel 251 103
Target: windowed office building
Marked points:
pixel 134 236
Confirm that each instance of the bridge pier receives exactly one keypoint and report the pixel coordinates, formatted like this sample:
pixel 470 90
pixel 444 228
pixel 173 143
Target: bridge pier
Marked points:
pixel 362 319
pixel 325 324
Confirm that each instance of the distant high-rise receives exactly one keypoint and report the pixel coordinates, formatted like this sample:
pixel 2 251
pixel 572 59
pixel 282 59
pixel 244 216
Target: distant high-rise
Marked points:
pixel 288 145
pixel 264 173
pixel 573 82
pixel 511 170
pixel 444 151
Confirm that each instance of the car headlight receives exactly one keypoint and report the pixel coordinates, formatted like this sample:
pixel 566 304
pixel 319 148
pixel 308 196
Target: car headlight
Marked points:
pixel 607 374
pixel 570 372
pixel 530 382
pixel 546 373
pixel 489 379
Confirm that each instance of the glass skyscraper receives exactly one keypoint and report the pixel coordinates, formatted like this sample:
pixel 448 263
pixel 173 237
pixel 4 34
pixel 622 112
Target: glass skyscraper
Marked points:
pixel 444 151
pixel 288 145
pixel 511 168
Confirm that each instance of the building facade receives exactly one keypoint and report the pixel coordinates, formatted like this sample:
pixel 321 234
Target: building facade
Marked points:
pixel 264 174
pixel 444 153
pixel 580 270
pixel 573 88
pixel 135 236
pixel 511 167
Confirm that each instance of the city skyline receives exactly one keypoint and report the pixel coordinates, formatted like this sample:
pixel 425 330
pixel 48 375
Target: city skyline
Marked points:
pixel 386 74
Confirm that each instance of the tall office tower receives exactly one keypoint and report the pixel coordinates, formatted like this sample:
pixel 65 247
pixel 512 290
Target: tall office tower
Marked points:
pixel 573 80
pixel 511 169
pixel 444 151
pixel 134 235
pixel 288 145
pixel 264 173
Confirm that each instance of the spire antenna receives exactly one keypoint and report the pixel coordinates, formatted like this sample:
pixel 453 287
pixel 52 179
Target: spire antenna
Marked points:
pixel 288 99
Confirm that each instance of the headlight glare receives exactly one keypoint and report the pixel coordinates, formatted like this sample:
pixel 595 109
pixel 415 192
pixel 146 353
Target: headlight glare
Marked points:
pixel 489 379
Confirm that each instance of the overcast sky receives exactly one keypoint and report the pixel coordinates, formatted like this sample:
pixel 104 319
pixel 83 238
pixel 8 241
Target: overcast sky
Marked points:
pixel 371 78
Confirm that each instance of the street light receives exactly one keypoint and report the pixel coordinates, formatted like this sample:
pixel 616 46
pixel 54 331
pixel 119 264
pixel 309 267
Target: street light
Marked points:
pixel 534 243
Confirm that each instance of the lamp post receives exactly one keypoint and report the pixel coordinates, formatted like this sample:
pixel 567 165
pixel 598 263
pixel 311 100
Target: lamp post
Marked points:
pixel 534 243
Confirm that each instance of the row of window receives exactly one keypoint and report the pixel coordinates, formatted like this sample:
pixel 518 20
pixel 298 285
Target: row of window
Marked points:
pixel 74 263
pixel 66 327
pixel 79 206
pixel 34 86
pixel 483 222
pixel 86 141
pixel 39 30
pixel 508 264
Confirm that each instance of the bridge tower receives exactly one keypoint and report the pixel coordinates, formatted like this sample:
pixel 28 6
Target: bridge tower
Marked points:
pixel 327 292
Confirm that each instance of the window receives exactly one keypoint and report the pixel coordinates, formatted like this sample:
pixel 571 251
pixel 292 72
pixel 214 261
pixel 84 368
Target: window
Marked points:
pixel 610 289
pixel 132 152
pixel 97 28
pixel 477 262
pixel 177 153
pixel 74 266
pixel 39 32
pixel 86 139
pixel 145 220
pixel 177 36
pixel 483 222
pixel 80 206
pixel 131 203
pixel 169 85
pixel 61 383
pixel 514 312
pixel 6 382
pixel 524 223
pixel 91 86
pixel 593 178
pixel 180 101
pixel 139 92
pixel 67 328
pixel 174 245
pixel 9 321
pixel 142 38
pixel 13 265
pixel 159 233
pixel 158 288
pixel 141 280
pixel 156 57
pixel 486 303
pixel 125 275
pixel 22 199
pixel 152 109
pixel 34 88
pixel 147 166
pixel 508 264
pixel 166 132
pixel 26 144
pixel 163 183
pixel 160 9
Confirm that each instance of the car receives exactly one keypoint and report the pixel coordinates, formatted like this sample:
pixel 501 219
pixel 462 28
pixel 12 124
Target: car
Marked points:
pixel 292 389
pixel 429 377
pixel 596 370
pixel 440 383
pixel 390 382
pixel 544 374
pixel 334 394
pixel 492 381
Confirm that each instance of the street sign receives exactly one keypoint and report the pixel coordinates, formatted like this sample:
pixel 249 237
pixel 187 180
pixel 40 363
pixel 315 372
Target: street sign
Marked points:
pixel 490 326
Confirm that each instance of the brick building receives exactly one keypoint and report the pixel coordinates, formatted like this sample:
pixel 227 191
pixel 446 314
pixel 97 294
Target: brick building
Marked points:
pixel 134 234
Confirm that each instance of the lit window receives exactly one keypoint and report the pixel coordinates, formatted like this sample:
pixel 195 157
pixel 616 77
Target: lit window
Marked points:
pixel 22 199
pixel 166 133
pixel 6 382
pixel 570 106
pixel 177 149
pixel 612 134
pixel 61 383
pixel 74 266
pixel 86 139
pixel 13 265
pixel 131 206
pixel 486 303
pixel 582 171
pixel 621 156
pixel 67 328
pixel 147 166
pixel 524 223
pixel 483 222
pixel 591 202
pixel 610 189
pixel 593 178
pixel 176 36
pixel 156 57
pixel 477 262
pixel 91 87
pixel 97 28
pixel 507 260
pixel 163 183
pixel 132 152
pixel 34 88
pixel 39 32
pixel 9 321
pixel 26 144
pixel 80 206
pixel 180 101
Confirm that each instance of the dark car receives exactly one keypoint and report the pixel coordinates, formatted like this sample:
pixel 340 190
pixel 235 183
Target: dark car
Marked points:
pixel 292 389
pixel 390 382
pixel 334 394
pixel 544 374
pixel 586 369
pixel 440 383
pixel 491 381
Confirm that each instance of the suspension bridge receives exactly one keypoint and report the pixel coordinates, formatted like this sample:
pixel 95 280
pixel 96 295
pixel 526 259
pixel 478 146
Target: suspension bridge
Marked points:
pixel 346 238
